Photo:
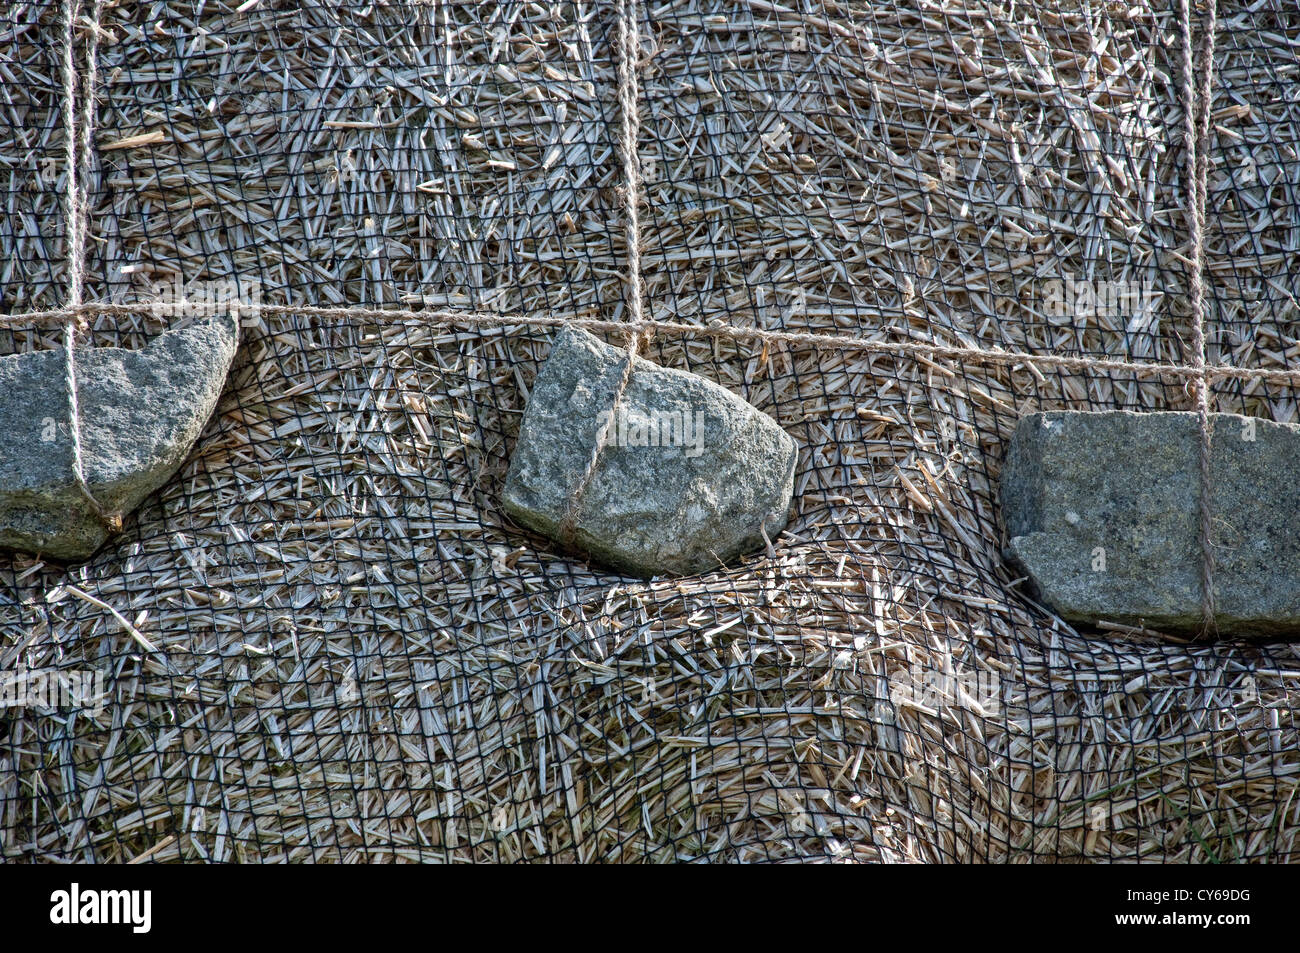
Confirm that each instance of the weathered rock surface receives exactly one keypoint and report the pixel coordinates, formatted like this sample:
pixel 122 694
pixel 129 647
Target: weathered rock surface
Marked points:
pixel 1101 510
pixel 141 412
pixel 680 508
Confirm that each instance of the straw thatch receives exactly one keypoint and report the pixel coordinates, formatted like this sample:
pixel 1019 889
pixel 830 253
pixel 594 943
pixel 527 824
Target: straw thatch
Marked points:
pixel 324 640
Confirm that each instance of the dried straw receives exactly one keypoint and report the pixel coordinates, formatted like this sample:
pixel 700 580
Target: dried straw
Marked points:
pixel 358 659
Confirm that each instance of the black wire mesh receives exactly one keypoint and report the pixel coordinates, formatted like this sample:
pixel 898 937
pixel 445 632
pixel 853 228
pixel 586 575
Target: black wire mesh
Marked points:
pixel 354 655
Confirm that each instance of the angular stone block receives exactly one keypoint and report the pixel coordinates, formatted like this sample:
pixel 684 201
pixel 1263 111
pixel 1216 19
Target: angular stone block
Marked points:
pixel 1102 512
pixel 689 473
pixel 141 412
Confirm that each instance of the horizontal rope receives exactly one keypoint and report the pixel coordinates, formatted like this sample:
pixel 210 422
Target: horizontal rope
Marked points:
pixel 469 318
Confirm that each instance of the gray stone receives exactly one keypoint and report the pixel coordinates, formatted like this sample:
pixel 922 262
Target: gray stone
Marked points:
pixel 681 508
pixel 141 412
pixel 1101 510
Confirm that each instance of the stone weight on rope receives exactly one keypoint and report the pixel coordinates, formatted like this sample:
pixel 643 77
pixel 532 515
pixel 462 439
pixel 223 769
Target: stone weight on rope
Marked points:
pixel 1101 511
pixel 690 476
pixel 141 412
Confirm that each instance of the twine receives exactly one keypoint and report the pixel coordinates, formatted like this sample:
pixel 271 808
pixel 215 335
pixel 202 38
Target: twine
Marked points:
pixel 77 159
pixel 468 318
pixel 1196 92
pixel 1196 147
pixel 634 287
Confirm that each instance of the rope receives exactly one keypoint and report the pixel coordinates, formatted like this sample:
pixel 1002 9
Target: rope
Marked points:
pixel 1196 147
pixel 77 158
pixel 1199 374
pixel 634 287
pixel 839 342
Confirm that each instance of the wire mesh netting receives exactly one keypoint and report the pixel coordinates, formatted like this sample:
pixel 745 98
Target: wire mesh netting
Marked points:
pixel 323 640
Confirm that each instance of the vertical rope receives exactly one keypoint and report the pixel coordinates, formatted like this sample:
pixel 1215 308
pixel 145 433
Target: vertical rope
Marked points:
pixel 71 139
pixel 634 286
pixel 77 136
pixel 1196 148
pixel 630 118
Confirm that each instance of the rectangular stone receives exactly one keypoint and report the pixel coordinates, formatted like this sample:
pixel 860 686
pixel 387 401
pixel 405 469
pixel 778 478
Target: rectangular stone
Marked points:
pixel 1102 512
